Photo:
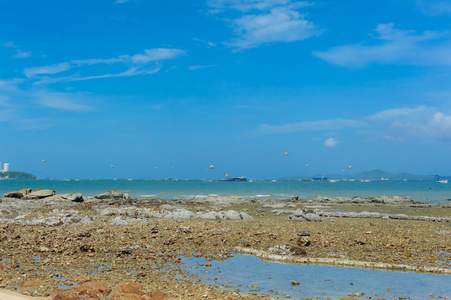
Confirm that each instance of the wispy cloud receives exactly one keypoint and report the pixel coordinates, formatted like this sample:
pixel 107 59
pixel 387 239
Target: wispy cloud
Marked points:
pixel 4 101
pixel 10 45
pixel 193 68
pixel 209 44
pixel 246 5
pixel 434 7
pixel 310 126
pixel 22 54
pixel 6 115
pixel 122 1
pixel 51 69
pixel 393 46
pixel 266 21
pixel 18 102
pixel 62 101
pixel 137 64
pixel 156 54
pixel 419 123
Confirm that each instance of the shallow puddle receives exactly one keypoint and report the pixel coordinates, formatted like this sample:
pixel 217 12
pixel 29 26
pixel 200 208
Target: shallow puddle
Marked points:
pixel 252 275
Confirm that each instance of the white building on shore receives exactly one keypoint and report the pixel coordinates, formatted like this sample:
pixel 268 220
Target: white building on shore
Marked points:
pixel 5 167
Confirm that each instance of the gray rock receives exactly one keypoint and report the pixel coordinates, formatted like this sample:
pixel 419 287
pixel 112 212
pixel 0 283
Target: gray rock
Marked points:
pixel 210 215
pixel 74 197
pixel 116 195
pixel 280 250
pixel 304 215
pixel 230 215
pixel 40 194
pixel 119 221
pixel 245 216
pixel 86 220
pixel 181 214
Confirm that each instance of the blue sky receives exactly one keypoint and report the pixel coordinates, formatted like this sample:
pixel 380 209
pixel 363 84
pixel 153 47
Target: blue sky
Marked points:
pixel 167 88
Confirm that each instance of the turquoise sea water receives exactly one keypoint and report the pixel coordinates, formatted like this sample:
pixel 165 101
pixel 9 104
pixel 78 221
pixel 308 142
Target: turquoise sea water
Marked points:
pixel 424 191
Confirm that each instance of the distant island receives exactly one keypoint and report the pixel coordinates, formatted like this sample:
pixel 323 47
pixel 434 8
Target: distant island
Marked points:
pixel 16 175
pixel 373 174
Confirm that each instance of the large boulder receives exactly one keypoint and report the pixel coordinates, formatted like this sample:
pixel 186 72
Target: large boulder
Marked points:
pixel 18 194
pixel 39 194
pixel 116 195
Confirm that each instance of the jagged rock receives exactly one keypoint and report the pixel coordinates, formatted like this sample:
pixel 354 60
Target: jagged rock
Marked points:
pixel 74 197
pixel 304 215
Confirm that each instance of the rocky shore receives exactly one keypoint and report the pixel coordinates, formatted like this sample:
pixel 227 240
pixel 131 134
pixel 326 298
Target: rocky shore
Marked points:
pixel 66 246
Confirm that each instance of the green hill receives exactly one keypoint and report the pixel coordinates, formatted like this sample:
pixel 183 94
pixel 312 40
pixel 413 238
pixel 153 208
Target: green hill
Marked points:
pixel 17 175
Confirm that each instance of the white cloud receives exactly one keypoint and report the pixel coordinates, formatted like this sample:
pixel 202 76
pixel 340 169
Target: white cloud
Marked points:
pixel 156 54
pixel 265 21
pixel 331 142
pixel 246 5
pixel 22 54
pixel 139 66
pixel 52 69
pixel 435 7
pixel 62 101
pixel 209 44
pixel 279 25
pixel 122 1
pixel 419 123
pixel 310 126
pixel 95 61
pixel 10 85
pixel 128 73
pixel 193 68
pixel 393 46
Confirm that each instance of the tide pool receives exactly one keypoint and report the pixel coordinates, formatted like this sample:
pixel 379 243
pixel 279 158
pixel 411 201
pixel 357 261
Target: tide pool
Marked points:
pixel 252 275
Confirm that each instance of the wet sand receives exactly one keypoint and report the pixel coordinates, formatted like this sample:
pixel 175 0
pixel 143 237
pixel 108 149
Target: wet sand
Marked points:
pixel 9 295
pixel 123 242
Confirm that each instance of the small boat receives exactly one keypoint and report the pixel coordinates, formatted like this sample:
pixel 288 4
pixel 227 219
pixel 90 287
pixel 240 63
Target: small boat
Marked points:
pixel 241 178
pixel 334 180
pixel 322 178
pixel 437 177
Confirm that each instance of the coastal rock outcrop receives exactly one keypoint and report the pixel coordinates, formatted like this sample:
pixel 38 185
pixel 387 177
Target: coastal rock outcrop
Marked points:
pixel 395 200
pixel 304 215
pixel 74 197
pixel 39 194
pixel 115 195
pixel 181 213
pixel 18 194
